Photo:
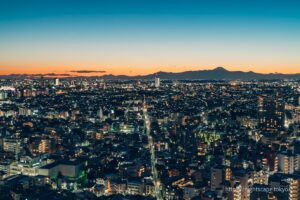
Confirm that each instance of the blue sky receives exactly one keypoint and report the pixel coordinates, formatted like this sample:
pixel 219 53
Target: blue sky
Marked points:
pixel 149 35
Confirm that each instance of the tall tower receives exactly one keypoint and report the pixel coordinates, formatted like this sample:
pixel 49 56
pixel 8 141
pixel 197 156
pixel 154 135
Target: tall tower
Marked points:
pixel 57 83
pixel 157 82
pixel 100 113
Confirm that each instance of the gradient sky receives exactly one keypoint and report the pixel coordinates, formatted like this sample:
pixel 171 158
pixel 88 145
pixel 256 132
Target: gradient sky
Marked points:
pixel 145 36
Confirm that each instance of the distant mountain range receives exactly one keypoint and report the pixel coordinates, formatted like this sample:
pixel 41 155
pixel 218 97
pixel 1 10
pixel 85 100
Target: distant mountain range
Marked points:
pixel 218 73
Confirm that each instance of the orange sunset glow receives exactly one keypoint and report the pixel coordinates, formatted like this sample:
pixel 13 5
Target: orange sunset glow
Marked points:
pixel 133 70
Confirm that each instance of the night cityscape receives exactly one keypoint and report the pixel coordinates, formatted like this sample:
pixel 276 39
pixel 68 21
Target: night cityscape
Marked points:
pixel 152 139
pixel 129 100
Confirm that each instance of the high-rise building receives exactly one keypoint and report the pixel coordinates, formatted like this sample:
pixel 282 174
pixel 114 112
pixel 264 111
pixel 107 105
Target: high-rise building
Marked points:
pixel 241 181
pixel 12 145
pixel 271 114
pixel 25 111
pixel 100 114
pixel 261 177
pixel 57 82
pixel 236 191
pixel 3 95
pixel 270 161
pixel 288 162
pixel 219 174
pixel 216 177
pixel 157 82
pixel 44 146
pixel 289 185
pixel 294 189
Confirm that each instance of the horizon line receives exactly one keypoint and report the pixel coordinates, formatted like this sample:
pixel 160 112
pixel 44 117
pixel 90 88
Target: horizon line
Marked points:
pixel 105 73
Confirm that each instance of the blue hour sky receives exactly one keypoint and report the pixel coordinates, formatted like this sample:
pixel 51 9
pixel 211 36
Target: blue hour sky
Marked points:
pixel 144 36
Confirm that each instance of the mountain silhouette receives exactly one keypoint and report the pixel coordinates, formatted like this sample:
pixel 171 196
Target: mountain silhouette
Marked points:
pixel 218 73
